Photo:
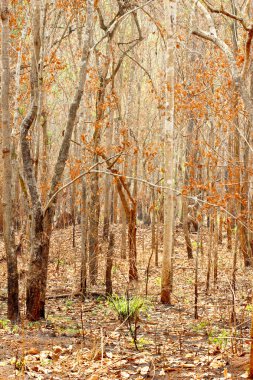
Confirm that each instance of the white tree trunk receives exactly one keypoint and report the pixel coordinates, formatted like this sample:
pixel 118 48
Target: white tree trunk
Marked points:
pixel 170 19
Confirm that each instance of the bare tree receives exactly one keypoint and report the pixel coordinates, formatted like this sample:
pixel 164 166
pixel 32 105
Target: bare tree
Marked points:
pixel 43 218
pixel 170 20
pixel 8 219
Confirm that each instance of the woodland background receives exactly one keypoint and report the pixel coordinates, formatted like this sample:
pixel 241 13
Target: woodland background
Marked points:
pixel 126 189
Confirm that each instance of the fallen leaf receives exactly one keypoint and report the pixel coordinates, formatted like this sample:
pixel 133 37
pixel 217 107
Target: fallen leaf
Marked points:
pixel 144 370
pixel 125 375
pixel 32 351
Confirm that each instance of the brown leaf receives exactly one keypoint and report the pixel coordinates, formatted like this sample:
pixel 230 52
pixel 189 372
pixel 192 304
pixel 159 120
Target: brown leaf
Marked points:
pixel 32 351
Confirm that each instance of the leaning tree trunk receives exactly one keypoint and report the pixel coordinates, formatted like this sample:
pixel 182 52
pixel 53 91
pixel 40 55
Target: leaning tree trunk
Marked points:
pixel 8 219
pixel 166 281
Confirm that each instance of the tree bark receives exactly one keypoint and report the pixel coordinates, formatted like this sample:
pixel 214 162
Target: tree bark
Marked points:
pixel 109 262
pixel 8 216
pixel 166 281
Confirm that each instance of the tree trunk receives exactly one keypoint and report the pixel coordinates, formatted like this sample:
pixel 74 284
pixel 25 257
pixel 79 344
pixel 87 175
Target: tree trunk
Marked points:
pixel 8 219
pixel 123 247
pixel 133 274
pixel 37 274
pixel 166 281
pixel 251 349
pixel 108 182
pixel 186 229
pixel 84 232
pixel 109 262
pixel 94 224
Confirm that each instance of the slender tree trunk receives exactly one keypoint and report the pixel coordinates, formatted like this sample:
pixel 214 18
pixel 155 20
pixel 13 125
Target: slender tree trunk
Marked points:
pixel 186 183
pixel 130 207
pixel 95 196
pixel 133 274
pixel 109 262
pixel 215 250
pixel 84 232
pixel 124 220
pixel 220 229
pixel 153 223
pixel 209 254
pixel 108 183
pixel 166 282
pixel 123 249
pixel 186 229
pixel 8 219
pixel 94 225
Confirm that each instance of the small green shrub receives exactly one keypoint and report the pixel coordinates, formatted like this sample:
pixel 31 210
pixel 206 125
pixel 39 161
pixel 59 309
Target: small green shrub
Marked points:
pixel 127 308
pixel 200 327
pixel 249 308
pixel 4 323
pixel 219 337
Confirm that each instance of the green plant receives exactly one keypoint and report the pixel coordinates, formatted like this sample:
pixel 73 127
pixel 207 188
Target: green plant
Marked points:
pixel 218 337
pixel 249 308
pixel 190 281
pixel 200 327
pixel 15 329
pixel 194 244
pixel 142 342
pixel 33 325
pixel 20 364
pixel 68 303
pixel 127 308
pixel 4 323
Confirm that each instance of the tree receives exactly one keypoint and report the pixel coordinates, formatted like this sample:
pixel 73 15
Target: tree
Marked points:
pixel 240 79
pixel 43 217
pixel 8 216
pixel 170 8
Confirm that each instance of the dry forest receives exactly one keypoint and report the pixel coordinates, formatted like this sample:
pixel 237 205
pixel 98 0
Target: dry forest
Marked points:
pixel 126 189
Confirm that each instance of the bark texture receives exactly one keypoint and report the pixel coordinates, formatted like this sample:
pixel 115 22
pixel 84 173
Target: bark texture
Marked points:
pixel 7 201
pixel 166 281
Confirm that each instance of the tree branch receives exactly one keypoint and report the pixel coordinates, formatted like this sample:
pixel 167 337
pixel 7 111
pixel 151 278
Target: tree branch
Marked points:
pixel 78 177
pixel 226 13
pixel 64 150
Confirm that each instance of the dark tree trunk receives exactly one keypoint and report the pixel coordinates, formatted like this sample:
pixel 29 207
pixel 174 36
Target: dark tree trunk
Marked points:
pixel 37 279
pixel 133 274
pixel 109 262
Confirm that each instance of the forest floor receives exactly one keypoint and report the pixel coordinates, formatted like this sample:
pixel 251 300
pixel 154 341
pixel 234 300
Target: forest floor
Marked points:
pixel 85 340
